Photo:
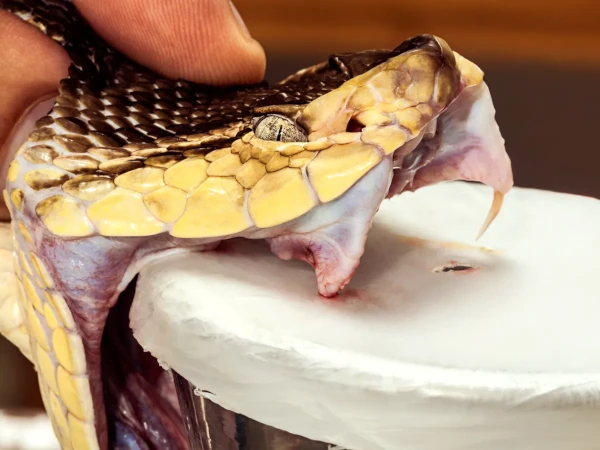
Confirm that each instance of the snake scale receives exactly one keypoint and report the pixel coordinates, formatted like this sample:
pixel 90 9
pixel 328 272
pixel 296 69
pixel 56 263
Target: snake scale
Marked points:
pixel 128 165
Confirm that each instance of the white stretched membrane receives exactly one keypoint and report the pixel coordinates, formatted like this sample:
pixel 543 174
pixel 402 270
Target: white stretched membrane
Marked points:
pixel 440 342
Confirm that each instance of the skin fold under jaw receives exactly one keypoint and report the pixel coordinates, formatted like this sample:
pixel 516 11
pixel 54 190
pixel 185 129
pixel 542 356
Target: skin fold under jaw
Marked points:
pixel 128 166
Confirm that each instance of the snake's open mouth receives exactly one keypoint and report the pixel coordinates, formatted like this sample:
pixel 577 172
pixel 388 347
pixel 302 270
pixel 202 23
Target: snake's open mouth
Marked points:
pixel 128 166
pixel 142 409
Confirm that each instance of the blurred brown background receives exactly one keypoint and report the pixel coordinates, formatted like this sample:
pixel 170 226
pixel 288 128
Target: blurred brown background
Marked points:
pixel 541 59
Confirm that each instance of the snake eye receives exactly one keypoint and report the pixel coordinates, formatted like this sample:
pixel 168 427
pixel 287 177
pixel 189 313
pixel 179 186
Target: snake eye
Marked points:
pixel 274 127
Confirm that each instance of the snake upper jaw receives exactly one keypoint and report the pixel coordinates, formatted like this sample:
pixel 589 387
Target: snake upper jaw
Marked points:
pixel 463 143
pixel 467 146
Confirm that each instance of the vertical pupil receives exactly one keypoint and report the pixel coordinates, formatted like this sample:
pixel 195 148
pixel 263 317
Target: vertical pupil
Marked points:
pixel 279 131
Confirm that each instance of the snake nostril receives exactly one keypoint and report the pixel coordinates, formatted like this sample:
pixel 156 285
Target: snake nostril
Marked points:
pixel 354 126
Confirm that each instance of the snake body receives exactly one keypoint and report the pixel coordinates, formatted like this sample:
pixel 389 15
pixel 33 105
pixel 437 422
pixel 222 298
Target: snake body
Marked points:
pixel 128 164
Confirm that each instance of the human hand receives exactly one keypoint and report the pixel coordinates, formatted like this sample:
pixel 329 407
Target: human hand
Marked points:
pixel 202 40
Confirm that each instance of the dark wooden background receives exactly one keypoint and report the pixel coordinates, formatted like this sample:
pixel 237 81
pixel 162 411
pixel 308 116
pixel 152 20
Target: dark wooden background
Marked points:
pixel 541 59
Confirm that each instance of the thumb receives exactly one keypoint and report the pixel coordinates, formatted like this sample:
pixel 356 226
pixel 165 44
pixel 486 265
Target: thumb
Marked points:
pixel 201 40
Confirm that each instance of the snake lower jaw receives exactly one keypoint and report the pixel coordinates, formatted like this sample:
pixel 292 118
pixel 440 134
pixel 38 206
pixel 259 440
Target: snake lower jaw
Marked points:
pixel 332 237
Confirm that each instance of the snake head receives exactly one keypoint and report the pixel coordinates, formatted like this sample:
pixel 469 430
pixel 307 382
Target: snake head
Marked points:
pixel 422 103
pixel 400 120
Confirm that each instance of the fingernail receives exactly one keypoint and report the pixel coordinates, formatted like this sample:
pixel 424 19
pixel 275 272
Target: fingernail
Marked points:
pixel 240 21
